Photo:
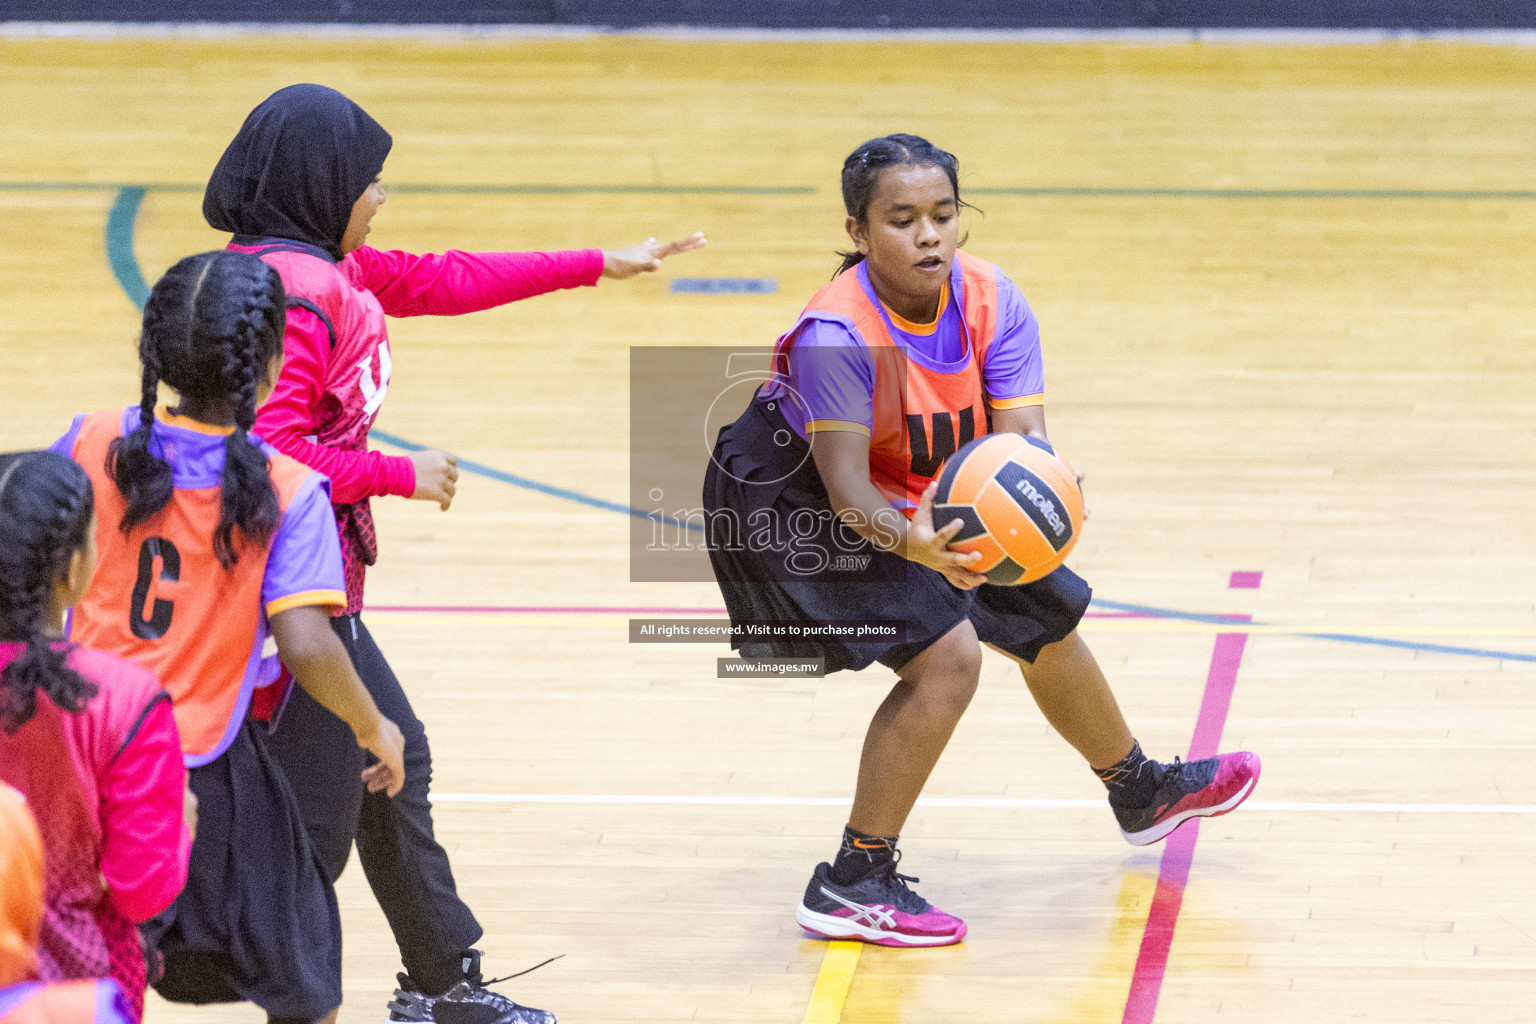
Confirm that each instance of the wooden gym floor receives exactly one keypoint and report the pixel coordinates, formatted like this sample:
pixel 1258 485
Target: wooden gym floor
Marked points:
pixel 1287 300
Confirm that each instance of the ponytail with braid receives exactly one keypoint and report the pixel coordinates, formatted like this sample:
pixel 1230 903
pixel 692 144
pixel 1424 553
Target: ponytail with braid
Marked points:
pixel 249 502
pixel 143 477
pixel 45 515
pixel 212 327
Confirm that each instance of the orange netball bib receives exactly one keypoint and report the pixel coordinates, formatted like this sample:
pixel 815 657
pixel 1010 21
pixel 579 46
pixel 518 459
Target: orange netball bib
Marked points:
pixel 921 415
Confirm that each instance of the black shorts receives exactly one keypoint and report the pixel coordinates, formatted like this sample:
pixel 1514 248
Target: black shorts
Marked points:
pixel 257 920
pixel 761 473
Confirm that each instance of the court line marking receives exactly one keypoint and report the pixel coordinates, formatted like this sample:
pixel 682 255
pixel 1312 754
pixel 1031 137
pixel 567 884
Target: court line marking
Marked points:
pixel 833 981
pixel 1347 638
pixel 538 609
pixel 953 802
pixel 502 476
pixel 425 188
pixel 123 217
pixel 1095 623
pixel 1134 192
pixel 1148 620
pixel 1179 849
pixel 121 220
pixel 592 190
pixel 551 609
pixel 1000 191
pixel 460 32
pixel 725 286
pixel 1409 645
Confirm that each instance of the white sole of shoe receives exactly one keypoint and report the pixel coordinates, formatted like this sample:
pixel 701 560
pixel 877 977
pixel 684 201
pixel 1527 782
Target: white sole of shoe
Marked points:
pixel 842 928
pixel 1163 828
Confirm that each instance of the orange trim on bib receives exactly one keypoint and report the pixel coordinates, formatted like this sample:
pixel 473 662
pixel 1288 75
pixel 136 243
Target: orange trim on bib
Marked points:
pixel 901 323
pixel 305 599
pixel 170 419
pixel 846 426
pixel 1023 402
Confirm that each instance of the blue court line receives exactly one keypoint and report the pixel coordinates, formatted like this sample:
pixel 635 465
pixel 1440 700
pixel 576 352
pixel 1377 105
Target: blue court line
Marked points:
pixel 125 262
pixel 1380 641
pixel 125 267
pixel 479 469
pixel 1164 613
pixel 724 285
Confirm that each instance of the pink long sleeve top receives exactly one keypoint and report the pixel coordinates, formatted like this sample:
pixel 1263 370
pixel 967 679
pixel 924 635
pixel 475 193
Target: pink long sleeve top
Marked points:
pixel 106 786
pixel 337 365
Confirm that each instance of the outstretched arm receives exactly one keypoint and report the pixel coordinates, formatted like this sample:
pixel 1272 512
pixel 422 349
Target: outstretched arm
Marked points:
pixel 454 282
pixel 646 257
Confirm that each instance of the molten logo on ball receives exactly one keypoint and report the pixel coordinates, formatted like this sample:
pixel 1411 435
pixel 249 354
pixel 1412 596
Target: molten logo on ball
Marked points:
pixel 1047 508
pixel 1037 500
pixel 1020 504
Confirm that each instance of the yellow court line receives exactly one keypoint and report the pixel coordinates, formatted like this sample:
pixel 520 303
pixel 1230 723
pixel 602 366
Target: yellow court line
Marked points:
pixel 833 983
pixel 1103 989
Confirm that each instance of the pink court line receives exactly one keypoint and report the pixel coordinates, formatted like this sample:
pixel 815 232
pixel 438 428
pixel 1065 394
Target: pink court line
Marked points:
pixel 1179 853
pixel 534 609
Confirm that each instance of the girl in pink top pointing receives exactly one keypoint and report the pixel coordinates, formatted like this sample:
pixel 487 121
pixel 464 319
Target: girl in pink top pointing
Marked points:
pixel 299 186
pixel 88 738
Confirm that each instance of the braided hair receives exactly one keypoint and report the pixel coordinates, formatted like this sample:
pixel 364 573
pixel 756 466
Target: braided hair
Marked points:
pixel 212 326
pixel 45 512
pixel 861 175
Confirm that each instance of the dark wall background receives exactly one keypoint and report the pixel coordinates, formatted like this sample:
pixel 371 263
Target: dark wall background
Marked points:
pixel 1389 14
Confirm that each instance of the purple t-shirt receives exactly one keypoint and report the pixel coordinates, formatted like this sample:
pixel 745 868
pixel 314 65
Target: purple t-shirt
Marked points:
pixel 831 380
pixel 112 1006
pixel 304 562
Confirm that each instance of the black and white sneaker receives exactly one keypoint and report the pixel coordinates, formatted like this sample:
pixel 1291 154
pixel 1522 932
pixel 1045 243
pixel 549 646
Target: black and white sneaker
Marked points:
pixel 468 1002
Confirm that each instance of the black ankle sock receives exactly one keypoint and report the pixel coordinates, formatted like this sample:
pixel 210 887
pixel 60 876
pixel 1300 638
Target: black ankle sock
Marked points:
pixel 1132 781
pixel 859 854
pixel 437 978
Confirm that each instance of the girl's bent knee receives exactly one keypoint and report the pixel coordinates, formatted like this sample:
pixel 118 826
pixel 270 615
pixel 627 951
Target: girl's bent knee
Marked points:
pixel 952 665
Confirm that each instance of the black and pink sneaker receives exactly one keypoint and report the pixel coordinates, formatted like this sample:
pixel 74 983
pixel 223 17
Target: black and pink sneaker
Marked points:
pixel 878 908
pixel 1207 788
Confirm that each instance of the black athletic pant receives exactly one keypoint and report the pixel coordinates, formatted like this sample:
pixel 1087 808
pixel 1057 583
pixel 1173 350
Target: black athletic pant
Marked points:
pixel 406 868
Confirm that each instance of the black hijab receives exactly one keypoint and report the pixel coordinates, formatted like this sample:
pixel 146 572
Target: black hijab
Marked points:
pixel 299 163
